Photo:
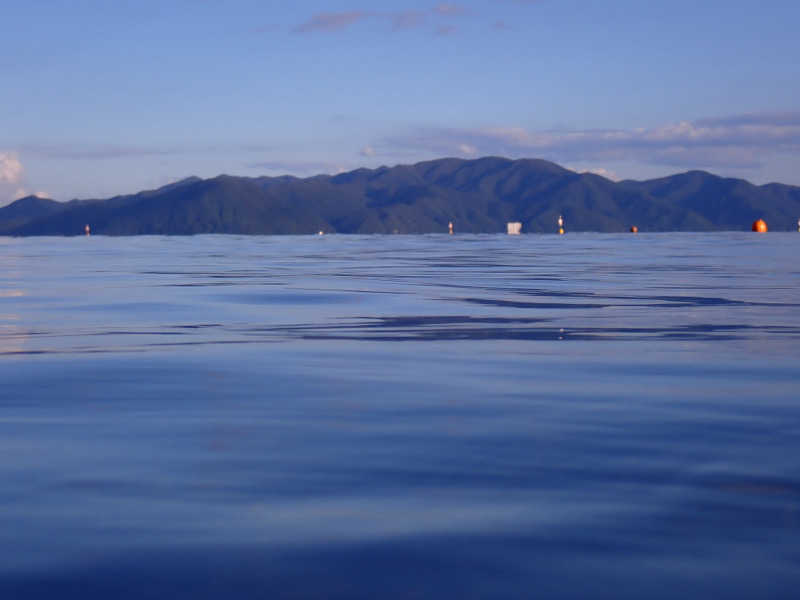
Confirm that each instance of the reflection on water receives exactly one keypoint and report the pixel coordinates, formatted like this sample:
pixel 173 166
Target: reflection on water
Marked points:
pixel 564 416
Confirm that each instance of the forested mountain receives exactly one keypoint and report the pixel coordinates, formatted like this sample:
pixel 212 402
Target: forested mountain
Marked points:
pixel 479 195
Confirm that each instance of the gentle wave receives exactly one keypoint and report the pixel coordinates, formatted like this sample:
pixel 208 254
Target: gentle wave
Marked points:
pixel 566 416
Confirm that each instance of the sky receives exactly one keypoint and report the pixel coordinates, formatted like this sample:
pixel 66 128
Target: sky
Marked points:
pixel 99 98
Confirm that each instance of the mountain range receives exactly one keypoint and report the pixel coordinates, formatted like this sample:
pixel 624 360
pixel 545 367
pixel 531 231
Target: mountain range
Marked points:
pixel 479 195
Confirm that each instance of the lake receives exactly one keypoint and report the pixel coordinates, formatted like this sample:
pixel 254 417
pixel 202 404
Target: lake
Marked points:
pixel 468 416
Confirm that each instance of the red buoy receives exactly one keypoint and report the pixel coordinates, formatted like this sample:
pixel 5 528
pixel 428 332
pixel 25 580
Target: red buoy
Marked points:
pixel 760 226
pixel 634 229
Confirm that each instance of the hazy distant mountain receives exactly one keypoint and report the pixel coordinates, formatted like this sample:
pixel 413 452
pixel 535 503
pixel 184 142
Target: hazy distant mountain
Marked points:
pixel 479 195
pixel 26 209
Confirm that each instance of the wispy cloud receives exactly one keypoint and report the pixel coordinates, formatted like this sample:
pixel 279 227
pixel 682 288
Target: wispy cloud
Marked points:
pixel 94 152
pixel 327 22
pixel 84 151
pixel 407 19
pixel 735 141
pixel 603 172
pixel 449 9
pixel 300 167
pixel 332 21
pixel 445 29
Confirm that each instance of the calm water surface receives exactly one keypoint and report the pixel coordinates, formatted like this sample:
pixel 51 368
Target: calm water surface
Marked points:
pixel 400 417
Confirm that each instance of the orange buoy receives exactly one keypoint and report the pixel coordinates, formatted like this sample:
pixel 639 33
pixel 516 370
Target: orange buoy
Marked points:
pixel 760 226
pixel 634 229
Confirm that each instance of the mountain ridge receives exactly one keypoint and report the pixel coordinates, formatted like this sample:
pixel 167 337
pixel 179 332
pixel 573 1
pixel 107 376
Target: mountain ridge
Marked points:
pixel 478 195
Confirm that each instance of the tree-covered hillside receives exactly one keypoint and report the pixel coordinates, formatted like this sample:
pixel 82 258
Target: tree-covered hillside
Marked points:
pixel 479 195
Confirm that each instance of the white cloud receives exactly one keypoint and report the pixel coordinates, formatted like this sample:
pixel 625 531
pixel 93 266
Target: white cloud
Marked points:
pixel 367 151
pixel 467 149
pixel 10 168
pixel 11 176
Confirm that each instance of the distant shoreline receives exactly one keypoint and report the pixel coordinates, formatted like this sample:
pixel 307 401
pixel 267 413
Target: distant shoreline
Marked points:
pixel 389 235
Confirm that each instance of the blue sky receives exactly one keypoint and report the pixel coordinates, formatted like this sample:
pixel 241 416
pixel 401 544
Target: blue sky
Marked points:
pixel 102 98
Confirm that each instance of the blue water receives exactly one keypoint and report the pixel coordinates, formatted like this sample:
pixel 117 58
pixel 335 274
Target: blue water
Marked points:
pixel 400 416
